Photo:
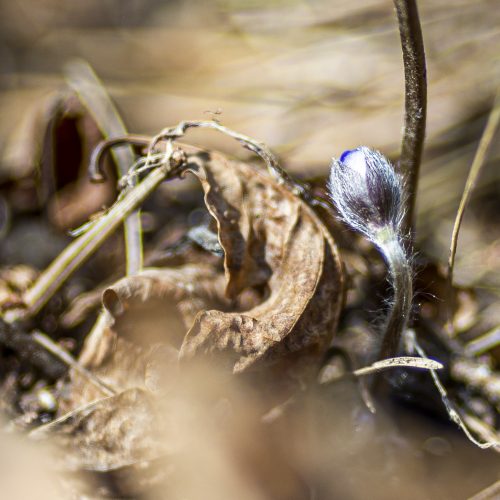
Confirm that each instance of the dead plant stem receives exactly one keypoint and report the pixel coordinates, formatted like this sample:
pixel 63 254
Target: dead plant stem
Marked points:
pixel 412 45
pixel 477 164
pixel 92 93
pixel 60 353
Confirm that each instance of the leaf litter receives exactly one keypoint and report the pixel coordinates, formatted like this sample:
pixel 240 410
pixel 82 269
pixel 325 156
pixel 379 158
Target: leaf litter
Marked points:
pixel 263 314
pixel 267 313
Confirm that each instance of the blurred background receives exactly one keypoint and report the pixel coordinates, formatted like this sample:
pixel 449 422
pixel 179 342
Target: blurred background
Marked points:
pixel 309 78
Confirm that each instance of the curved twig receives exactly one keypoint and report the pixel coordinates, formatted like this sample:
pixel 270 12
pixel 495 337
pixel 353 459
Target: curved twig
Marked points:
pixel 260 149
pixel 96 166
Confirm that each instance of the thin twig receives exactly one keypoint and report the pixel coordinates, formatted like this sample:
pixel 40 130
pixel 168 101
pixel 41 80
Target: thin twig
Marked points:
pixel 96 168
pixel 97 174
pixel 415 104
pixel 404 361
pixel 486 432
pixel 60 353
pixel 450 407
pixel 256 147
pixel 92 93
pixel 259 148
pixel 478 162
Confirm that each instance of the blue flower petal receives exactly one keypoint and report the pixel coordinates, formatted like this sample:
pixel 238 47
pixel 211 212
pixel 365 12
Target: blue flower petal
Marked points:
pixel 346 153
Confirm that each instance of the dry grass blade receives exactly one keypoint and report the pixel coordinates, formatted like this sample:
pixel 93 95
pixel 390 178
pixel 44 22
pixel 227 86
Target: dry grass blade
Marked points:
pixel 66 357
pixel 450 407
pixel 483 343
pixel 478 162
pixel 91 92
pixel 403 361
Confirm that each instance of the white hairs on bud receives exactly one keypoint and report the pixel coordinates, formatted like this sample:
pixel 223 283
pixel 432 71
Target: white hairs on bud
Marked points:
pixel 367 192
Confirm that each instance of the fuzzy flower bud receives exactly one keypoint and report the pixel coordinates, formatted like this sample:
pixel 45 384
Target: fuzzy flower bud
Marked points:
pixel 367 192
pixel 368 195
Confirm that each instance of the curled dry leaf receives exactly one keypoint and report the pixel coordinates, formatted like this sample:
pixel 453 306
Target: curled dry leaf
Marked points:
pixel 57 136
pixel 142 313
pixel 271 239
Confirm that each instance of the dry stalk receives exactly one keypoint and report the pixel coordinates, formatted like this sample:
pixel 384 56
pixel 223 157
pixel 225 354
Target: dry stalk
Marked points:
pixel 93 95
pixel 60 353
pixel 412 45
pixel 478 162
pixel 453 413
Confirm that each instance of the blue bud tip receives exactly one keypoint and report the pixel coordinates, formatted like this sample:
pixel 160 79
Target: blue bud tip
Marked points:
pixel 346 153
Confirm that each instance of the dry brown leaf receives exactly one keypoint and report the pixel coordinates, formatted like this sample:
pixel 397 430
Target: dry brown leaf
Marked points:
pixel 57 137
pixel 270 238
pixel 142 313
pixel 180 292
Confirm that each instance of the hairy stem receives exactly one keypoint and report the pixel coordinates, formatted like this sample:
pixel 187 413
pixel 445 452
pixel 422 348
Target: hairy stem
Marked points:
pixel 412 45
pixel 400 276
